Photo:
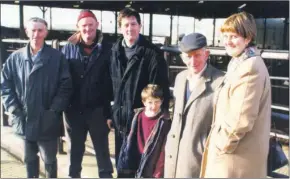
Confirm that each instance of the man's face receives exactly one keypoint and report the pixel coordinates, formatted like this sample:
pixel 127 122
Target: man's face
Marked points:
pixel 88 27
pixel 36 32
pixel 130 28
pixel 152 106
pixel 195 60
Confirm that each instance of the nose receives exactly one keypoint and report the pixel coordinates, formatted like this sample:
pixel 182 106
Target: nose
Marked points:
pixel 130 27
pixel 227 40
pixel 86 28
pixel 153 106
pixel 35 34
pixel 191 60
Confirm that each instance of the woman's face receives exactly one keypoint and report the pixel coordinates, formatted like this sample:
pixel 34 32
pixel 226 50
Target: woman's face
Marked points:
pixel 234 43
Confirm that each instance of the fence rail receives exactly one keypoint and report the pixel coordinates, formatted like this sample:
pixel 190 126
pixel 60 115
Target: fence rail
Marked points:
pixel 265 53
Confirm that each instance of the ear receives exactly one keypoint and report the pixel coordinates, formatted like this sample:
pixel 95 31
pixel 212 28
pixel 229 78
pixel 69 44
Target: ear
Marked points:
pixel 77 25
pixel 144 104
pixel 207 52
pixel 26 32
pixel 247 41
pixel 140 27
pixel 46 33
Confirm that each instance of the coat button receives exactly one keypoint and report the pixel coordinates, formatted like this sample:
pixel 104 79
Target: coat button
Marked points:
pixel 173 136
pixel 81 112
pixel 82 76
pixel 170 156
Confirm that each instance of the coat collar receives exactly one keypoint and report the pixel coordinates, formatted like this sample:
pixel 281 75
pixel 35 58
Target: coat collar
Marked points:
pixel 43 54
pixel 43 57
pixel 200 87
pixel 140 43
pixel 76 37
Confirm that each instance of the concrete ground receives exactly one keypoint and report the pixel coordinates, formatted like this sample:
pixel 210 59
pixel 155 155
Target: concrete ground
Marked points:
pixel 14 145
pixel 12 166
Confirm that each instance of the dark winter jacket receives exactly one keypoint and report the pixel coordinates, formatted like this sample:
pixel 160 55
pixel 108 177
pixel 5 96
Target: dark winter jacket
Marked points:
pixel 129 77
pixel 36 94
pixel 130 160
pixel 92 86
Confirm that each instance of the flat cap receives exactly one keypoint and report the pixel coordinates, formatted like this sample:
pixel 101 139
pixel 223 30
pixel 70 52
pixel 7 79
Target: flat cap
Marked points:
pixel 192 41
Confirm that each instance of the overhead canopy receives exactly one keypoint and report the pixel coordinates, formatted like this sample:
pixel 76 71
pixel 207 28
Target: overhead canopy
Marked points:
pixel 197 9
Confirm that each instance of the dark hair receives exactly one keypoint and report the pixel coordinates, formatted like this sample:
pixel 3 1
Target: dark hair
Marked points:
pixel 128 12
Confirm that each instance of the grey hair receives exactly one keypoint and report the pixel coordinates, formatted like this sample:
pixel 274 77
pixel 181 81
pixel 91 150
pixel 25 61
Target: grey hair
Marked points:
pixel 36 19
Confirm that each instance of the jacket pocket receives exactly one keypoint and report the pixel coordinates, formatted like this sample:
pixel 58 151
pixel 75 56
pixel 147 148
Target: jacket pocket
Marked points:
pixel 18 123
pixel 223 142
pixel 50 124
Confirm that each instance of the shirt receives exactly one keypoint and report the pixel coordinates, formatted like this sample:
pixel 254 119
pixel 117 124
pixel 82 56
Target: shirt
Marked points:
pixel 192 79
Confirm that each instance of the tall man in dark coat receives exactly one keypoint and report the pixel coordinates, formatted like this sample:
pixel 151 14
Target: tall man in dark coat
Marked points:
pixel 89 108
pixel 135 62
pixel 35 89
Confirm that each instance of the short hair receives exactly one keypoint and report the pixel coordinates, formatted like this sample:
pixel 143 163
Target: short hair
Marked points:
pixel 152 91
pixel 128 12
pixel 36 19
pixel 242 23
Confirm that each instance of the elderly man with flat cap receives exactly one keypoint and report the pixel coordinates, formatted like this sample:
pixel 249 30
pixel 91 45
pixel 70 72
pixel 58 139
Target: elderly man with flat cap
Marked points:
pixel 89 108
pixel 193 92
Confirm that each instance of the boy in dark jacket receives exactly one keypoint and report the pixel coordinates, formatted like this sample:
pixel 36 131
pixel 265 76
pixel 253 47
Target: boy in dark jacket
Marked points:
pixel 142 152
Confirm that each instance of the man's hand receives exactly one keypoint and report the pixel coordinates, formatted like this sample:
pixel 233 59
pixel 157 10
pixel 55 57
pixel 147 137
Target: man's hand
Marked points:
pixel 110 124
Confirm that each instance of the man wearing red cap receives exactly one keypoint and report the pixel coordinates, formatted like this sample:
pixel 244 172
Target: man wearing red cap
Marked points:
pixel 89 108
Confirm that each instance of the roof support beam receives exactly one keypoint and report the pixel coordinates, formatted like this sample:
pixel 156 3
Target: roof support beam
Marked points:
pixel 21 23
pixel 286 29
pixel 170 36
pixel 150 26
pixel 265 33
pixel 213 35
pixel 116 24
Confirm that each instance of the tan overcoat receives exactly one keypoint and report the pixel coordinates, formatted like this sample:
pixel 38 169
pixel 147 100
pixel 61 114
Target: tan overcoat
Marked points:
pixel 238 144
pixel 191 124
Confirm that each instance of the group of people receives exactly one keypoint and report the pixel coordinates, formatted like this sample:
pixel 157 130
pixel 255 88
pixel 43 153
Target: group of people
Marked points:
pixel 220 125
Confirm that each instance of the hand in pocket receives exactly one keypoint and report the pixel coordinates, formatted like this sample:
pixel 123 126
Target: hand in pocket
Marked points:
pixel 18 124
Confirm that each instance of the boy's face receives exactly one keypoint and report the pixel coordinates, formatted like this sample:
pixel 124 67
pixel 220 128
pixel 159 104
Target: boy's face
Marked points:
pixel 152 105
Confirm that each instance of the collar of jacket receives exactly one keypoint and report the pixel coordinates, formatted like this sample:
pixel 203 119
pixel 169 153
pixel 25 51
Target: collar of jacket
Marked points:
pixel 206 74
pixel 26 51
pixel 248 53
pixel 164 115
pixel 76 37
pixel 142 42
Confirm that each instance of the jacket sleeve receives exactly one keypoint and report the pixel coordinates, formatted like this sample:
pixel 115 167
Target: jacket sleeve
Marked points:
pixel 158 74
pixel 108 92
pixel 159 169
pixel 64 91
pixel 244 95
pixel 8 92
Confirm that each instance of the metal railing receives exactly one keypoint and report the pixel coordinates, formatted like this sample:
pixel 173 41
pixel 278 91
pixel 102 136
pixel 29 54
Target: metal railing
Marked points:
pixel 265 53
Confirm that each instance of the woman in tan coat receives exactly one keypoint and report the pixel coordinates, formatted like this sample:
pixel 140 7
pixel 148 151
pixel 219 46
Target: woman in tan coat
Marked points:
pixel 238 144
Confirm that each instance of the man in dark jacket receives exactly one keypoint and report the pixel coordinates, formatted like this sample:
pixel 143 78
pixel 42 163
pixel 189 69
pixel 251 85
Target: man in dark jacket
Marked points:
pixel 89 107
pixel 135 62
pixel 35 89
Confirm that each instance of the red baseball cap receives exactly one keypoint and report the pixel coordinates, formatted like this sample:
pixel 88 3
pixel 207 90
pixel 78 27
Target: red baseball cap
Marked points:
pixel 86 13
